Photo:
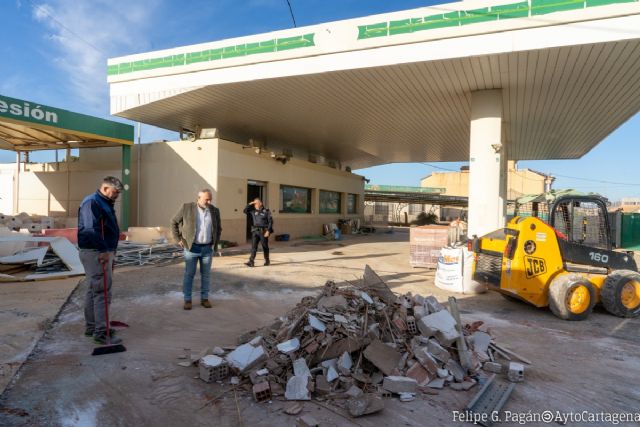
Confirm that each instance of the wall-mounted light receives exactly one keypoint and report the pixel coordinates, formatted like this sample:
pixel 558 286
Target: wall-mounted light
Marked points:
pixel 209 133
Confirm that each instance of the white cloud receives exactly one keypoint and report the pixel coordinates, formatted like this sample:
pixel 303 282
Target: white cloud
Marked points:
pixel 83 34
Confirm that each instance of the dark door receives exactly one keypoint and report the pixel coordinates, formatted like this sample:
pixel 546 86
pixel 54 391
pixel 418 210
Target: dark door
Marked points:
pixel 254 189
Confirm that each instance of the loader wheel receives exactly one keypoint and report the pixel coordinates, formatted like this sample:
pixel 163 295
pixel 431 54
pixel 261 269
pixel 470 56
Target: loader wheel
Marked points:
pixel 571 297
pixel 621 293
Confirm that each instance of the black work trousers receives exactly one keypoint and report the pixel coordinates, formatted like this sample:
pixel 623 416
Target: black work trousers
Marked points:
pixel 258 236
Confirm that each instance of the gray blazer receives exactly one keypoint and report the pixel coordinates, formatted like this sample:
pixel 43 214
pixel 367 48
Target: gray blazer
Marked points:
pixel 183 225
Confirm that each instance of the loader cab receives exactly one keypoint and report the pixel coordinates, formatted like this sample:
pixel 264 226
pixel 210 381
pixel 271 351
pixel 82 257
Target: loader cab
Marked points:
pixel 582 220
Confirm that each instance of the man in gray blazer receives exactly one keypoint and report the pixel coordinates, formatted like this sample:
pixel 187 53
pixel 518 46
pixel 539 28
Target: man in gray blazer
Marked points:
pixel 196 228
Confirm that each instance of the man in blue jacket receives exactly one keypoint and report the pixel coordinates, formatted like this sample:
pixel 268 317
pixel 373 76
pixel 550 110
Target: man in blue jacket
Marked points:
pixel 98 235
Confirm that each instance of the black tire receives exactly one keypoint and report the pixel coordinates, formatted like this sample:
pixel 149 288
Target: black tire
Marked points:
pixel 611 293
pixel 561 288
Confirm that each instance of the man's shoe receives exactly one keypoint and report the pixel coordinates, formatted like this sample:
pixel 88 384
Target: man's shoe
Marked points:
pixel 102 340
pixel 249 264
pixel 205 303
pixel 89 332
pixel 187 305
pixel 267 262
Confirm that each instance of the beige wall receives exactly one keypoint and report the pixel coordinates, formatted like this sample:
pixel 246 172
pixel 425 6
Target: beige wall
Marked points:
pixel 172 173
pixel 237 165
pixel 519 182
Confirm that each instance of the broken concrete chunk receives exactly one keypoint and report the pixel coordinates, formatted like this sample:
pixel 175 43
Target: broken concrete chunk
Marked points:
pixel 340 318
pixel 407 397
pixel 382 356
pixel 246 357
pixel 332 374
pixel 365 296
pixel 441 325
pixel 217 351
pixel 289 346
pixel 307 421
pixel 293 408
pixel 437 351
pixel 396 384
pixel 300 367
pixel 330 362
pixel 419 311
pixel 345 363
pixel 364 405
pixel 456 370
pixel 426 360
pixel 481 341
pixel 443 373
pixel 322 385
pixel 433 305
pixel 316 324
pixel 418 373
pixel 493 367
pixel 463 386
pixel 297 388
pixel 336 301
pixel 257 340
pixel 437 383
pixel 354 391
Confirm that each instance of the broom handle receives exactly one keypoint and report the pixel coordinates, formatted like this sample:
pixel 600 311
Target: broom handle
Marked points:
pixel 106 292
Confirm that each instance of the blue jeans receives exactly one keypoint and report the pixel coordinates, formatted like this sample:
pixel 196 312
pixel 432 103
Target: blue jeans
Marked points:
pixel 204 253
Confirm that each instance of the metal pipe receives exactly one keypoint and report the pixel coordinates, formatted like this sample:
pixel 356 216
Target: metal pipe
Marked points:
pixel 138 173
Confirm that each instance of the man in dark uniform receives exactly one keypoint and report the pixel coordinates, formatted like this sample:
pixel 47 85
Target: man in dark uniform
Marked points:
pixel 262 227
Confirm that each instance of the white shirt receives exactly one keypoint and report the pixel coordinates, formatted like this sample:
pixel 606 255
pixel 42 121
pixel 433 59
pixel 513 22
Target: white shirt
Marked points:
pixel 203 226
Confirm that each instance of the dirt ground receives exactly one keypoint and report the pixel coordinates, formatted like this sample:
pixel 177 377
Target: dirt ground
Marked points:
pixel 588 366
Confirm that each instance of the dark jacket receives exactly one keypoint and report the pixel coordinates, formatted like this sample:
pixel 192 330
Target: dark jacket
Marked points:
pixel 183 225
pixel 97 224
pixel 261 218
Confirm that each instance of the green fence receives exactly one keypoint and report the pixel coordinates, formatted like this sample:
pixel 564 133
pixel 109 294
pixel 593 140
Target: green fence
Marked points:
pixel 630 231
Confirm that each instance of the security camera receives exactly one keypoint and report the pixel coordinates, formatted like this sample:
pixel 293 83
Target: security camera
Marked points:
pixel 496 147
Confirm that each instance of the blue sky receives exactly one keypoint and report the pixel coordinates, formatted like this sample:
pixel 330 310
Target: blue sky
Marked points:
pixel 54 52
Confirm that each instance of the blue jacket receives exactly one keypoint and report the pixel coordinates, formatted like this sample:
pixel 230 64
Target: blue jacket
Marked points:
pixel 97 224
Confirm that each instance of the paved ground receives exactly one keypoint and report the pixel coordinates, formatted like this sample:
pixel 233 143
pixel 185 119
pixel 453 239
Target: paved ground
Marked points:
pixel 577 366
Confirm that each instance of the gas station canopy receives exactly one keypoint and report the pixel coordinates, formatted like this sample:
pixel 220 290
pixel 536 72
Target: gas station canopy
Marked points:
pixel 398 87
pixel 28 126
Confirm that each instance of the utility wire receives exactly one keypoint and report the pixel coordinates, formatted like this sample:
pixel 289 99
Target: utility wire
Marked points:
pixel 54 19
pixel 293 18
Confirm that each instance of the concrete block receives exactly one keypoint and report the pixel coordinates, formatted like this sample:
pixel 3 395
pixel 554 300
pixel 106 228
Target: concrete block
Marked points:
pixel 297 388
pixel 246 357
pixel 437 351
pixel 412 326
pixel 399 385
pixel 354 391
pixel 515 372
pixel 262 392
pixel 493 367
pixel 364 405
pixel 419 311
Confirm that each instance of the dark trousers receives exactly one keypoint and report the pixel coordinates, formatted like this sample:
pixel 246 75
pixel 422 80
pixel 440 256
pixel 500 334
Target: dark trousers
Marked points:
pixel 258 236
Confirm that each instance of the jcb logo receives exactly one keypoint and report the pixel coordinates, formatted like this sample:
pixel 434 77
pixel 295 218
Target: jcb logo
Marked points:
pixel 534 266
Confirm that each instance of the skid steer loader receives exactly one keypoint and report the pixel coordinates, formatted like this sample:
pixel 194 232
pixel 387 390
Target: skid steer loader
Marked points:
pixel 557 252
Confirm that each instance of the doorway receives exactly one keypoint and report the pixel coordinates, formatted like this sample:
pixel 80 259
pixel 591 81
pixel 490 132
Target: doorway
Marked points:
pixel 254 189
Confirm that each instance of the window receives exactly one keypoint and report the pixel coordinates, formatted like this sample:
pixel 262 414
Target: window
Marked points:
pixel 295 199
pixel 352 203
pixel 381 209
pixel 415 209
pixel 329 202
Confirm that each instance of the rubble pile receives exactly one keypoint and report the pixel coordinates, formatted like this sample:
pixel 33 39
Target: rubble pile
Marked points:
pixel 358 343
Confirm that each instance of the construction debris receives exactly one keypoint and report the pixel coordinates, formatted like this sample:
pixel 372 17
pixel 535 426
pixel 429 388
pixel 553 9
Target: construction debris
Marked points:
pixel 353 344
